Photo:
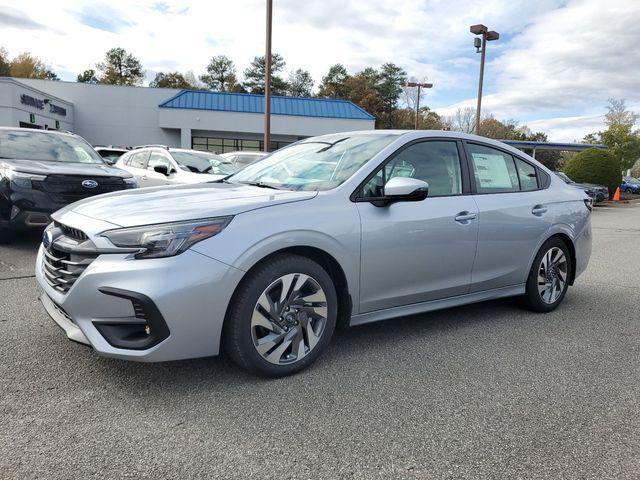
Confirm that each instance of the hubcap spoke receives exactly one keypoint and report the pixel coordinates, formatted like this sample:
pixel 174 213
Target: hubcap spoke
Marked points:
pixel 289 318
pixel 552 275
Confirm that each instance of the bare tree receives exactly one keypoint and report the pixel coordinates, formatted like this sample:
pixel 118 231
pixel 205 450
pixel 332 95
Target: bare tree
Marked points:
pixel 617 114
pixel 463 120
pixel 410 94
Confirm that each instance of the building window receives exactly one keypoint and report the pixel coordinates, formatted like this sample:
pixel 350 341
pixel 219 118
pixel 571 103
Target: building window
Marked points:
pixel 224 145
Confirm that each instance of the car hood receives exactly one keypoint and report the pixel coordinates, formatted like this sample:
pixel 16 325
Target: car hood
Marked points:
pixel 62 168
pixel 146 206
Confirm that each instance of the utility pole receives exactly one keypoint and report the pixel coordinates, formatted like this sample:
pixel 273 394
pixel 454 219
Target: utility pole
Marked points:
pixel 419 85
pixel 481 46
pixel 267 78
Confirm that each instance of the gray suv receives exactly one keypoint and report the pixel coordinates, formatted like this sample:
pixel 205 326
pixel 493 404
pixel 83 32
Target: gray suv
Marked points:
pixel 347 228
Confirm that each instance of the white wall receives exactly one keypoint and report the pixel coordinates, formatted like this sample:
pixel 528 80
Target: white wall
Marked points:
pixel 12 111
pixel 118 115
pixel 112 114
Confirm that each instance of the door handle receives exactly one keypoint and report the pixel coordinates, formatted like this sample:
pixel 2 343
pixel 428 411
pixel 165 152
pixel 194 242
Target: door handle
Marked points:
pixel 539 210
pixel 465 217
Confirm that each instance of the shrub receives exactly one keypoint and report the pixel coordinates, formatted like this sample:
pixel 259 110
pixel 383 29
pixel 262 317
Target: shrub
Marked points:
pixel 595 165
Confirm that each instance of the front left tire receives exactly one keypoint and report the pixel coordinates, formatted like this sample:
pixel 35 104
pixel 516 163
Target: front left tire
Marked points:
pixel 282 316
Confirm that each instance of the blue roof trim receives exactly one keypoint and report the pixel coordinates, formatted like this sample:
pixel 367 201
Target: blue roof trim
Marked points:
pixel 254 103
pixel 550 145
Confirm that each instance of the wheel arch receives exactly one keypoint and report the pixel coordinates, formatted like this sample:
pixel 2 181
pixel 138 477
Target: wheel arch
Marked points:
pixel 568 241
pixel 326 261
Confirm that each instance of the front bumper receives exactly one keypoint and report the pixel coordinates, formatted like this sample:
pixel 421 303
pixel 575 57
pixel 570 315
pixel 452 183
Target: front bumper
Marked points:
pixel 190 291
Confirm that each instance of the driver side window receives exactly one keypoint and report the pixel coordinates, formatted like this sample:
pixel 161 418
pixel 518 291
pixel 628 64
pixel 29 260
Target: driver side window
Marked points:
pixel 157 159
pixel 435 162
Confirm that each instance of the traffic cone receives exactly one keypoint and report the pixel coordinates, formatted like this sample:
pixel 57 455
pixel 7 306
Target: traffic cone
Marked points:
pixel 616 196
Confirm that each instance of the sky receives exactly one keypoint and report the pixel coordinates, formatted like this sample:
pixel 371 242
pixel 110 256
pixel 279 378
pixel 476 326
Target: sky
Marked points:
pixel 553 68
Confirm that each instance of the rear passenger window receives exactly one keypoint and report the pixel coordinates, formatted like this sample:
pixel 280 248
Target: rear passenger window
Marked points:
pixel 495 171
pixel 527 175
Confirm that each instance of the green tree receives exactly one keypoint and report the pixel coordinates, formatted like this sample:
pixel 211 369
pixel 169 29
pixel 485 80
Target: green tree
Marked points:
pixel 595 165
pixel 221 74
pixel 491 127
pixel 300 84
pixel 552 159
pixel 334 82
pixel 26 65
pixel 5 63
pixel 120 68
pixel 171 80
pixel 254 75
pixel 620 136
pixel 88 76
pixel 389 82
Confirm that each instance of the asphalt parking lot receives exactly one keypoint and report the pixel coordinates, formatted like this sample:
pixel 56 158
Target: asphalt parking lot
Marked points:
pixel 483 391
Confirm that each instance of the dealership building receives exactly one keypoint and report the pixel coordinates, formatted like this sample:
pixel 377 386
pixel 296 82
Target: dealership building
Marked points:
pixel 204 120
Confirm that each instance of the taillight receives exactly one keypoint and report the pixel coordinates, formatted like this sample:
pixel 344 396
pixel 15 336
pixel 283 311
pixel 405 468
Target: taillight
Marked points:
pixel 588 202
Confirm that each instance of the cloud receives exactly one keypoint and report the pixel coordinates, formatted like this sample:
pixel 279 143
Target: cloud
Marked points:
pixel 555 59
pixel 10 18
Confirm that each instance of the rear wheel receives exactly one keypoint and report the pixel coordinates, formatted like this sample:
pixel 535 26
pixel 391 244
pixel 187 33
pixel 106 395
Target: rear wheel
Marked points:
pixel 549 276
pixel 282 316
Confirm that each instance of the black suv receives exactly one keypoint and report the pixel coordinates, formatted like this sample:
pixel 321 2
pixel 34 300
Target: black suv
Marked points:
pixel 42 171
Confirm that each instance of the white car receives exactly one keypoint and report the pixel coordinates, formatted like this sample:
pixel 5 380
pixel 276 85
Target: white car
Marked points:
pixel 158 165
pixel 240 160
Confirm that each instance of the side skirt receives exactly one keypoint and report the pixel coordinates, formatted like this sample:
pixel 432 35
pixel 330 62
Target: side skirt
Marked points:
pixel 402 311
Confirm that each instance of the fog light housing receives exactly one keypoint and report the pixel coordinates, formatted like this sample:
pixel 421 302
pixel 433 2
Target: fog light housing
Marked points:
pixel 144 330
pixel 14 212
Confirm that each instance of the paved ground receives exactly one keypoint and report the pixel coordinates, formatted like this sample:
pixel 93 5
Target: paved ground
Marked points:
pixel 485 391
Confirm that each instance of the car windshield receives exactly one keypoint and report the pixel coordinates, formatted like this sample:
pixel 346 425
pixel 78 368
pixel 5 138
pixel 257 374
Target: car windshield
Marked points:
pixel 631 180
pixel 111 156
pixel 564 177
pixel 317 163
pixel 46 147
pixel 201 162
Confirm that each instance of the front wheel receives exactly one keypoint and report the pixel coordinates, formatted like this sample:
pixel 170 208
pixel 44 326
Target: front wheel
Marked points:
pixel 549 277
pixel 282 316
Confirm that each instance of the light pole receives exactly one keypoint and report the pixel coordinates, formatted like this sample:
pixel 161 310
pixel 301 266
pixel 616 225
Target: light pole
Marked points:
pixel 481 46
pixel 267 79
pixel 419 85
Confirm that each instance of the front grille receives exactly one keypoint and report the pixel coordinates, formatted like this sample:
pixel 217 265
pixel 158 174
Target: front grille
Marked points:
pixel 68 188
pixel 67 257
pixel 72 232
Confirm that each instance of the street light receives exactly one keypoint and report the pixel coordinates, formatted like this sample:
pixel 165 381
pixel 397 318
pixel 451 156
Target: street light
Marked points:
pixel 267 79
pixel 481 47
pixel 419 85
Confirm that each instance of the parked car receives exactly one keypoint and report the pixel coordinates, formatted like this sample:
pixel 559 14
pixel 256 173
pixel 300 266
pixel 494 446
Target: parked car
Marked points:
pixel 110 154
pixel 160 165
pixel 597 192
pixel 42 171
pixel 630 184
pixel 351 227
pixel 241 159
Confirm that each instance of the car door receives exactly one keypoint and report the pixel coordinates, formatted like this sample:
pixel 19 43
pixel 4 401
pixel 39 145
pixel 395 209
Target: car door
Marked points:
pixel 514 214
pixel 414 252
pixel 136 164
pixel 159 159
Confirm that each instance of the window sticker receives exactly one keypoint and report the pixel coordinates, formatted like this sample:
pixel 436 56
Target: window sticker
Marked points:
pixel 491 171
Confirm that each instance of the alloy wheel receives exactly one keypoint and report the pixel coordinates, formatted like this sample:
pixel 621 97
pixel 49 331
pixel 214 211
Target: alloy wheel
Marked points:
pixel 552 275
pixel 289 319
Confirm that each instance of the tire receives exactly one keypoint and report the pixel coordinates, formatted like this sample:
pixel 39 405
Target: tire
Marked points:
pixel 6 236
pixel 302 328
pixel 545 297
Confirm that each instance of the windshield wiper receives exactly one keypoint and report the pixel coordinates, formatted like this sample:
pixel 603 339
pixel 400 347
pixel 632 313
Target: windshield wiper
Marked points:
pixel 324 149
pixel 261 185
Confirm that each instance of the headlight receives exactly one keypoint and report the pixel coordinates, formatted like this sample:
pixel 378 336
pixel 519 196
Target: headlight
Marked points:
pixel 131 182
pixel 20 179
pixel 166 239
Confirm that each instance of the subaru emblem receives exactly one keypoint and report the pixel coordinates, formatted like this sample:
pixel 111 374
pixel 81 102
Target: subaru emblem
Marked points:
pixel 89 183
pixel 47 238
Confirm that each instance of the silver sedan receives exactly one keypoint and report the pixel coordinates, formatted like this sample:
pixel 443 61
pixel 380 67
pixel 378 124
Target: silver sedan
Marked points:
pixel 346 228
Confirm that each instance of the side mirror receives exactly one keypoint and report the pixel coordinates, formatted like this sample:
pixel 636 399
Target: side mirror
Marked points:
pixel 404 189
pixel 163 169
